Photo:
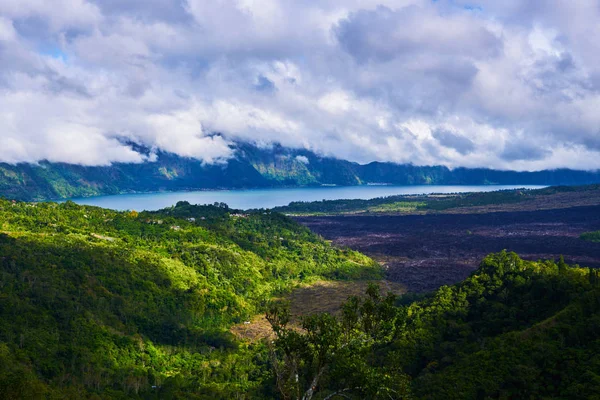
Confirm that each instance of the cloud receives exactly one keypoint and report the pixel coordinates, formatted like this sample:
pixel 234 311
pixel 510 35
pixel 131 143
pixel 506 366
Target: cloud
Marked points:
pixel 510 85
pixel 57 14
pixel 302 159
pixel 7 30
pixel 384 34
pixel 454 141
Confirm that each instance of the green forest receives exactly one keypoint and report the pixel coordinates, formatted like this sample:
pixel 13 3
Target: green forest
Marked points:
pixel 98 304
pixel 408 204
pixel 415 203
pixel 252 166
pixel 591 236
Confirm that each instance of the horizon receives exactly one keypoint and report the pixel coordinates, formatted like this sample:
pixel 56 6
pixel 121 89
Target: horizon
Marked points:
pixel 153 156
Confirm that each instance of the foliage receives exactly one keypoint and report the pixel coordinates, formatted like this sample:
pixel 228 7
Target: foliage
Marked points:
pixel 479 199
pixel 124 304
pixel 591 236
pixel 252 167
pixel 426 203
pixel 338 207
pixel 407 203
pixel 331 356
pixel 514 329
pixel 101 304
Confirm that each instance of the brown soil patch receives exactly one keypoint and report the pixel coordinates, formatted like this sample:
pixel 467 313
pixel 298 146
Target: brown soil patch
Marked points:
pixel 320 297
pixel 424 252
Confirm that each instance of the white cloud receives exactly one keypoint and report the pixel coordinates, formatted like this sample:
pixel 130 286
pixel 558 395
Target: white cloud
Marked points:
pixel 7 30
pixel 496 84
pixel 302 159
pixel 58 14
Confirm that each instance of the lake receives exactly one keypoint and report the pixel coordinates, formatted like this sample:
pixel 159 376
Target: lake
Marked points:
pixel 268 198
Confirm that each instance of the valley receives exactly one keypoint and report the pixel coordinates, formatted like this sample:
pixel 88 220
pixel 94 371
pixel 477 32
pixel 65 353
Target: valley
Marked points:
pixel 194 302
pixel 317 297
pixel 250 167
pixel 318 200
pixel 427 249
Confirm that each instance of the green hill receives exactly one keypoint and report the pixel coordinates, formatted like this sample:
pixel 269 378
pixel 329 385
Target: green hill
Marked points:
pixel 97 304
pixel 512 330
pixel 251 167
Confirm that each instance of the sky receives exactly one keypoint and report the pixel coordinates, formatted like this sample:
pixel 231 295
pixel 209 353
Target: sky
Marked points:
pixel 506 84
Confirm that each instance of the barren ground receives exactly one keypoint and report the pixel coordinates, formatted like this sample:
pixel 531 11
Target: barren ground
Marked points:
pixel 322 296
pixel 424 252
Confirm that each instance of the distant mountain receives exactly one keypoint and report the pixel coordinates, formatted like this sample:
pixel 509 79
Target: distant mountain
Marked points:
pixel 252 167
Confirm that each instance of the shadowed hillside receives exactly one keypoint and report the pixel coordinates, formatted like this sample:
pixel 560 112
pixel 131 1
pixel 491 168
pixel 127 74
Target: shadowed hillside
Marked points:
pixel 252 167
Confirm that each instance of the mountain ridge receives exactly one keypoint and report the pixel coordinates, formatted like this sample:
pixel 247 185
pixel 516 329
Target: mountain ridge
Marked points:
pixel 252 167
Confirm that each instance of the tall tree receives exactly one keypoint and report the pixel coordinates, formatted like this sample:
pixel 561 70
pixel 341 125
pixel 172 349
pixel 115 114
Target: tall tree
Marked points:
pixel 333 356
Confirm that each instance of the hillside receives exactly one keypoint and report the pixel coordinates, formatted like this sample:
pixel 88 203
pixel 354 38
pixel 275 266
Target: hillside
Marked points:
pixel 252 167
pixel 117 305
pixel 512 330
pixel 95 302
pixel 105 305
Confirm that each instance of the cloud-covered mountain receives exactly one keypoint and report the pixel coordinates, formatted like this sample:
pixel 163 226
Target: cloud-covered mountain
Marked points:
pixel 250 166
pixel 499 84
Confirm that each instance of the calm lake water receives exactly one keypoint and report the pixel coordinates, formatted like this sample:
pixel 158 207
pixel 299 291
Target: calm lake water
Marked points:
pixel 268 198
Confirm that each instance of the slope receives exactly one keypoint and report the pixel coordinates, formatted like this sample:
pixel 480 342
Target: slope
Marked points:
pixel 252 167
pixel 101 303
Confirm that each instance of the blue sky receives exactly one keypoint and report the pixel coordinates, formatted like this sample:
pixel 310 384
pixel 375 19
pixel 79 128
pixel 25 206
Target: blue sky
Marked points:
pixel 54 52
pixel 509 85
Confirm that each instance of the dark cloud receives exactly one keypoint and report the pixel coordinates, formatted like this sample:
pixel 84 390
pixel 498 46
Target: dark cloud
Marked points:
pixel 454 141
pixel 565 63
pixel 384 34
pixel 149 10
pixel 515 151
pixel 263 84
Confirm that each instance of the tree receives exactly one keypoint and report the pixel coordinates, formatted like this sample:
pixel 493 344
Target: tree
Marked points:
pixel 562 265
pixel 333 355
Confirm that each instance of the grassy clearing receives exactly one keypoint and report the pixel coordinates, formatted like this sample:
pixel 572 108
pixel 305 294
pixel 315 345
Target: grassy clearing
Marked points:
pixel 408 207
pixel 320 297
pixel 397 207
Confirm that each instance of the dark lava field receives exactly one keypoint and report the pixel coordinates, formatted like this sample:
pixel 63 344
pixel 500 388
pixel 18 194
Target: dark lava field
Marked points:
pixel 424 252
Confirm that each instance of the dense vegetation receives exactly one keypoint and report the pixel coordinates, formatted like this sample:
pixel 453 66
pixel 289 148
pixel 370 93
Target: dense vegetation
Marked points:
pixel 591 236
pixel 513 330
pixel 252 167
pixel 102 304
pixel 120 304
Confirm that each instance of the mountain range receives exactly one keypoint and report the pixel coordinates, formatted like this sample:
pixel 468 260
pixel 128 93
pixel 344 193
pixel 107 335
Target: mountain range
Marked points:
pixel 251 167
